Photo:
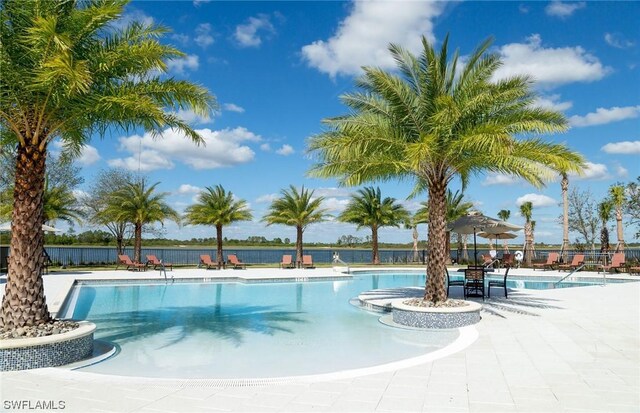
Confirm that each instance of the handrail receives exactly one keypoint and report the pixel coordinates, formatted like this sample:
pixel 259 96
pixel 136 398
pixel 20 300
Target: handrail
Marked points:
pixel 578 268
pixel 164 270
pixel 336 259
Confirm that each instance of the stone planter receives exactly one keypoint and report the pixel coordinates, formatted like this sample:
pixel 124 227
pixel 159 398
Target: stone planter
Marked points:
pixel 431 317
pixel 48 351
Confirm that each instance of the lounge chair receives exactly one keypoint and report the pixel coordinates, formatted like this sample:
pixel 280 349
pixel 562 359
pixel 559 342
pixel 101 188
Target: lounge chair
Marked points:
pixel 207 262
pixel 507 260
pixel 237 264
pixel 617 263
pixel 552 260
pixel 287 262
pixel 488 261
pixel 576 262
pixel 474 282
pixel 133 266
pixel 307 261
pixel 634 270
pixel 499 283
pixel 153 260
pixel 452 283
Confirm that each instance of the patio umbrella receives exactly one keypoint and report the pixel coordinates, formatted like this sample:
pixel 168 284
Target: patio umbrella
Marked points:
pixel 502 235
pixel 475 222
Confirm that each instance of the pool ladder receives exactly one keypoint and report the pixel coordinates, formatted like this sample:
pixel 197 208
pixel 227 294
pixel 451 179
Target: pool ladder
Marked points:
pixel 163 270
pixel 604 278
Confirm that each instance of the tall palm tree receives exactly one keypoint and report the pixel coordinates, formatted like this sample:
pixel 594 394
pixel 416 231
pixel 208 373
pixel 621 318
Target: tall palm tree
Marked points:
pixel 504 214
pixel 605 208
pixel 526 210
pixel 297 209
pixel 367 208
pixel 68 72
pixel 218 208
pixel 139 204
pixel 431 122
pixel 618 197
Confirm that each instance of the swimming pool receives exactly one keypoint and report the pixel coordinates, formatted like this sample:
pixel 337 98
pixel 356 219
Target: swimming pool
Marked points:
pixel 240 330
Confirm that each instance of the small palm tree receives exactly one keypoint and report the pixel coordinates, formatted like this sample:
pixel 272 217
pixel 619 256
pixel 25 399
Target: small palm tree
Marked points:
pixel 618 197
pixel 605 208
pixel 526 210
pixel 218 208
pixel 504 214
pixel 61 204
pixel 67 72
pixel 431 122
pixel 368 209
pixel 297 209
pixel 138 204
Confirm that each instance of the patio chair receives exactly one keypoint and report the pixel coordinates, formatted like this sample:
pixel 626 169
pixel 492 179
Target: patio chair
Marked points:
pixel 499 283
pixel 153 260
pixel 552 260
pixel 237 264
pixel 634 270
pixel 287 262
pixel 307 261
pixel 474 282
pixel 207 262
pixel 617 263
pixel 576 262
pixel 132 266
pixel 453 283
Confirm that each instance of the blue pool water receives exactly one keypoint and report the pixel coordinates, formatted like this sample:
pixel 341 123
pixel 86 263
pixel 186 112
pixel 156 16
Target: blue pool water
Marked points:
pixel 236 330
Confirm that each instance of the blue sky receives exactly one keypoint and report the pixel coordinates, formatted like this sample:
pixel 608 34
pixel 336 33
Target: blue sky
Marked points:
pixel 278 68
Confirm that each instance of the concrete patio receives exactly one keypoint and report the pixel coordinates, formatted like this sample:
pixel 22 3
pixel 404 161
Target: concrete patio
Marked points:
pixel 571 349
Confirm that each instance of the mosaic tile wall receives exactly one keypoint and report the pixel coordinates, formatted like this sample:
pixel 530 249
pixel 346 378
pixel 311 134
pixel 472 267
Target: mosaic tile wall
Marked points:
pixel 49 355
pixel 435 320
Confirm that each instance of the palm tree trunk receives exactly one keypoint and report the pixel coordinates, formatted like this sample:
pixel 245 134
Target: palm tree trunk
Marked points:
pixel 528 249
pixel 299 246
pixel 448 252
pixel 137 248
pixel 465 248
pixel 120 244
pixel 219 259
pixel 24 302
pixel 375 258
pixel 459 248
pixel 564 185
pixel 604 239
pixel 435 288
pixel 620 246
pixel 415 244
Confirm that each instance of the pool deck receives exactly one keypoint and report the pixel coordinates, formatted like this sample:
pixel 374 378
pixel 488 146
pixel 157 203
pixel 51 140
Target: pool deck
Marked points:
pixel 570 349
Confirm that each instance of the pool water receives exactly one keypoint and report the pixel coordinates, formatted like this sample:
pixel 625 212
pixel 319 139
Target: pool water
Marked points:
pixel 238 330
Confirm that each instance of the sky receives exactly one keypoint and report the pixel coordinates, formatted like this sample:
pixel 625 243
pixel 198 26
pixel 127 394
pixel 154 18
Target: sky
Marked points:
pixel 278 68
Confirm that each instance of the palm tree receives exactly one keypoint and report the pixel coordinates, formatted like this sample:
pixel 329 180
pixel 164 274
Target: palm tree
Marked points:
pixel 605 208
pixel 431 122
pixel 218 208
pixel 618 197
pixel 504 214
pixel 68 72
pixel 526 210
pixel 296 209
pixel 61 204
pixel 138 204
pixel 368 209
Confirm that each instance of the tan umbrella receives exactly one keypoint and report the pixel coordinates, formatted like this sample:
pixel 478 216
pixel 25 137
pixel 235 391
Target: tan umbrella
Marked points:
pixel 502 235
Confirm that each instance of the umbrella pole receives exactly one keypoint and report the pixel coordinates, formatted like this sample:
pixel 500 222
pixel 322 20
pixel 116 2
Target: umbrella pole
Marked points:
pixel 475 248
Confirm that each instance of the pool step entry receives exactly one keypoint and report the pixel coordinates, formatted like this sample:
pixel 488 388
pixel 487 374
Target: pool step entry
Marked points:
pixel 573 272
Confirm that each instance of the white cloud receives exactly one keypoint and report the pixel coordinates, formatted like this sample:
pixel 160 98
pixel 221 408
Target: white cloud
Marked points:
pixel 552 102
pixel 499 179
pixel 88 156
pixel 602 116
pixel 265 147
pixel 563 10
pixel 335 204
pixel 179 65
pixel 247 34
pixel 223 148
pixel 203 35
pixel 410 205
pixel 523 8
pixel 363 37
pixel 183 39
pixel 198 3
pixel 232 107
pixel 285 150
pixel 189 116
pixel 188 189
pixel 622 148
pixel 267 199
pixel 332 192
pixel 621 171
pixel 132 15
pixel 538 200
pixel 549 66
pixel 593 171
pixel 617 40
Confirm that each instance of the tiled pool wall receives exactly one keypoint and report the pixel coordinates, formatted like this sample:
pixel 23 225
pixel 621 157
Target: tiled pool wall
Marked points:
pixel 420 319
pixel 46 355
